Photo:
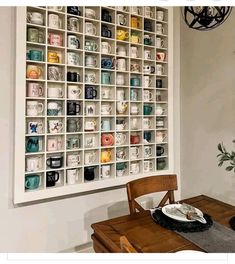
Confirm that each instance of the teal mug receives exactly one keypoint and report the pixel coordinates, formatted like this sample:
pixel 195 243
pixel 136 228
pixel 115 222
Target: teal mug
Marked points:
pixel 135 82
pixel 120 166
pixel 105 78
pixel 35 55
pixel 32 144
pixel 147 109
pixel 32 181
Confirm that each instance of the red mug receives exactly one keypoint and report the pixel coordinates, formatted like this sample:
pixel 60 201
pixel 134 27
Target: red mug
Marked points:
pixel 135 139
pixel 107 140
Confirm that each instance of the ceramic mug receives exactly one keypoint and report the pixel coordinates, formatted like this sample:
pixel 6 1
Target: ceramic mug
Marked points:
pixel 147 165
pixel 147 96
pixel 90 61
pixel 53 57
pixel 135 139
pixel 73 92
pixel 34 72
pixel 89 141
pixel 73 24
pixel 73 108
pixel 122 8
pixel 120 124
pixel 120 79
pixel 55 92
pixel 54 143
pixel 134 109
pixel 159 29
pixel 120 154
pixel 134 123
pixel 73 160
pixel 34 163
pixel 90 77
pixel 73 125
pixel 121 107
pixel 72 142
pixel 55 39
pixel 89 173
pixel 147 12
pixel 147 54
pixel 160 136
pixel 105 125
pixel 135 38
pixel 33 144
pixel 120 94
pixel 56 8
pixel 73 76
pixel 106 109
pixel 73 42
pixel 148 151
pixel 54 21
pixel 106 155
pixel 120 138
pixel 160 69
pixel 35 127
pixel 105 77
pixel 147 123
pixel 54 108
pixel 135 23
pixel 160 150
pixel 71 176
pixel 32 181
pixel 160 15
pixel 135 67
pixel 89 157
pixel 121 20
pixel 160 56
pixel 35 18
pixel 90 92
pixel 55 162
pixel 105 47
pixel 134 153
pixel 90 29
pixel 134 168
pixel 122 34
pixel 35 35
pixel 34 108
pixel 55 126
pixel 121 64
pixel 147 69
pixel 90 109
pixel 146 81
pixel 159 43
pixel 135 81
pixel 90 125
pixel 107 140
pixel 105 171
pixel 159 110
pixel 73 58
pixel 134 52
pixel 54 73
pixel 148 109
pixel 34 89
pixel 90 13
pixel 121 50
pixel 74 10
pixel 90 45
pixel 35 55
pixel 105 93
pixel 134 94
pixel 135 10
pixel 51 178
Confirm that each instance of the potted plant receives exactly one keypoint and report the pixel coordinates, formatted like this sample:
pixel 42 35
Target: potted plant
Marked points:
pixel 229 158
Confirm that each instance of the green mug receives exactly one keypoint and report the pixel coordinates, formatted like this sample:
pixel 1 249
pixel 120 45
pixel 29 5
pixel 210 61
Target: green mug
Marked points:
pixel 32 144
pixel 161 164
pixel 105 78
pixel 120 166
pixel 147 109
pixel 32 181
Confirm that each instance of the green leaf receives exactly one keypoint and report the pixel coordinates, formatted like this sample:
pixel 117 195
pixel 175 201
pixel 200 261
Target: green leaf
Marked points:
pixel 234 141
pixel 220 147
pixel 220 163
pixel 229 168
pixel 224 158
pixel 219 155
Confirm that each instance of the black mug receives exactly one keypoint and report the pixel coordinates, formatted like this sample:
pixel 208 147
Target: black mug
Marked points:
pixel 90 92
pixel 158 83
pixel 73 10
pixel 73 77
pixel 160 150
pixel 55 162
pixel 147 25
pixel 73 108
pixel 89 173
pixel 51 178
pixel 105 32
pixel 106 16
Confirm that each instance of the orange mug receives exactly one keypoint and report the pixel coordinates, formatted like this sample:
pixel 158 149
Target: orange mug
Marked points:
pixel 135 23
pixel 33 72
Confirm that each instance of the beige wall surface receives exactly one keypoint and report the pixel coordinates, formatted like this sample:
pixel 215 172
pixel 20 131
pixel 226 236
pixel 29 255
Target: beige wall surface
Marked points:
pixel 207 109
pixel 59 224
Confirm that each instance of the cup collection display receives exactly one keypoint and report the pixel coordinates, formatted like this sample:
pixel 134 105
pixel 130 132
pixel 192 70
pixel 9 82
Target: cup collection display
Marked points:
pixel 141 144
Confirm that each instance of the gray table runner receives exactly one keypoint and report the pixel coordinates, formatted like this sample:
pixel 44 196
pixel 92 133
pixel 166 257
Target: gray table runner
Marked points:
pixel 218 239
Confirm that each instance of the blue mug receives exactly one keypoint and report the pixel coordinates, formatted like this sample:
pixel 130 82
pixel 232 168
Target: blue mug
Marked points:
pixel 105 78
pixel 32 181
pixel 105 125
pixel 32 144
pixel 90 92
pixel 147 136
pixel 135 82
pixel 35 55
pixel 106 63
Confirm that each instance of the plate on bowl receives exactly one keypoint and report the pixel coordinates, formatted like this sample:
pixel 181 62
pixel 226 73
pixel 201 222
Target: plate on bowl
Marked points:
pixel 173 211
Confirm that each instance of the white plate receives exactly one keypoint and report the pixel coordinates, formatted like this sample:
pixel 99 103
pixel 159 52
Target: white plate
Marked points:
pixel 177 217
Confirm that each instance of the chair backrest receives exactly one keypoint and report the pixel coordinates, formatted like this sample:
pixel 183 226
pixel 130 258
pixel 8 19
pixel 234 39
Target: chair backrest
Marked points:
pixel 126 246
pixel 147 185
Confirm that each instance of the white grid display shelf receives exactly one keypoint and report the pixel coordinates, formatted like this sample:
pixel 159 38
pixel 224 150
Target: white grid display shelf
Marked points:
pixel 153 123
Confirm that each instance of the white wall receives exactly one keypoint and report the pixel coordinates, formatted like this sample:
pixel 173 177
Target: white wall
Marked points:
pixel 207 109
pixel 54 225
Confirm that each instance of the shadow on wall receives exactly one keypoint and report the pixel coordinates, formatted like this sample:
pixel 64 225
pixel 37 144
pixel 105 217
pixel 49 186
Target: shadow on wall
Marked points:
pixel 97 214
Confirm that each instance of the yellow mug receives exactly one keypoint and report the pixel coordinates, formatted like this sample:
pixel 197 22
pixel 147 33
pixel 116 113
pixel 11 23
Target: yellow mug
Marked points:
pixel 135 23
pixel 33 72
pixel 105 156
pixel 135 39
pixel 122 34
pixel 53 57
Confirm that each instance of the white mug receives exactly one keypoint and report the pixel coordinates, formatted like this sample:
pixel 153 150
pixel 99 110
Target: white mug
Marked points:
pixel 54 106
pixel 105 47
pixel 160 136
pixel 159 42
pixel 90 13
pixel 122 8
pixel 121 64
pixel 159 110
pixel 120 138
pixel 90 77
pixel 35 127
pixel 134 153
pixel 34 89
pixel 73 92
pixel 120 79
pixel 121 50
pixel 55 92
pixel 55 126
pixel 147 12
pixel 89 157
pixel 148 165
pixel 135 10
pixel 120 94
pixel 54 143
pixel 147 55
pixel 34 163
pixel 73 42
pixel 54 21
pixel 55 8
pixel 134 52
pixel 159 29
pixel 146 81
pixel 121 20
pixel 34 108
pixel 160 15
pixel 134 109
pixel 90 29
pixel 73 160
pixel 72 176
pixel 89 142
pixel 134 167
pixel 106 109
pixel 90 109
pixel 146 123
pixel 148 151
pixel 90 125
pixel 134 123
pixel 105 171
pixel 105 93
pixel 73 58
pixel 147 96
pixel 35 18
pixel 73 24
pixel 90 61
pixel 121 107
pixel 159 69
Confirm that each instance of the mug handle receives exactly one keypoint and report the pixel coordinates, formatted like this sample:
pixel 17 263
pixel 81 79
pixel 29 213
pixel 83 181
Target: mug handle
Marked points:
pixel 27 185
pixel 124 138
pixel 48 164
pixel 164 138
pixel 151 13
pixel 94 30
pixel 79 107
pixel 79 91
pixel 61 92
pixel 150 82
pixel 39 71
pixel 58 176
pixel 110 109
pixel 95 93
pixel 78 158
pixel 126 34
pixel 29 17
pixel 162 43
pixel 137 152
pixel 41 110
pixel 40 90
pixel 60 8
pixel 150 165
pixel 151 94
pixel 60 23
pixel 96 46
pixel 61 128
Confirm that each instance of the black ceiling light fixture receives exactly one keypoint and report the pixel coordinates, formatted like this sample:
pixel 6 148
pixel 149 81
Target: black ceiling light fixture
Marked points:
pixel 205 17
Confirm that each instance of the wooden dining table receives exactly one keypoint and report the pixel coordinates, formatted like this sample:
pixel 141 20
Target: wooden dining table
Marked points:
pixel 149 237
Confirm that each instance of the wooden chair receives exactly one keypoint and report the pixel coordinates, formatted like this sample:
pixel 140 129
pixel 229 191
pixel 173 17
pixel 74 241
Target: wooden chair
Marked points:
pixel 146 185
pixel 126 246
